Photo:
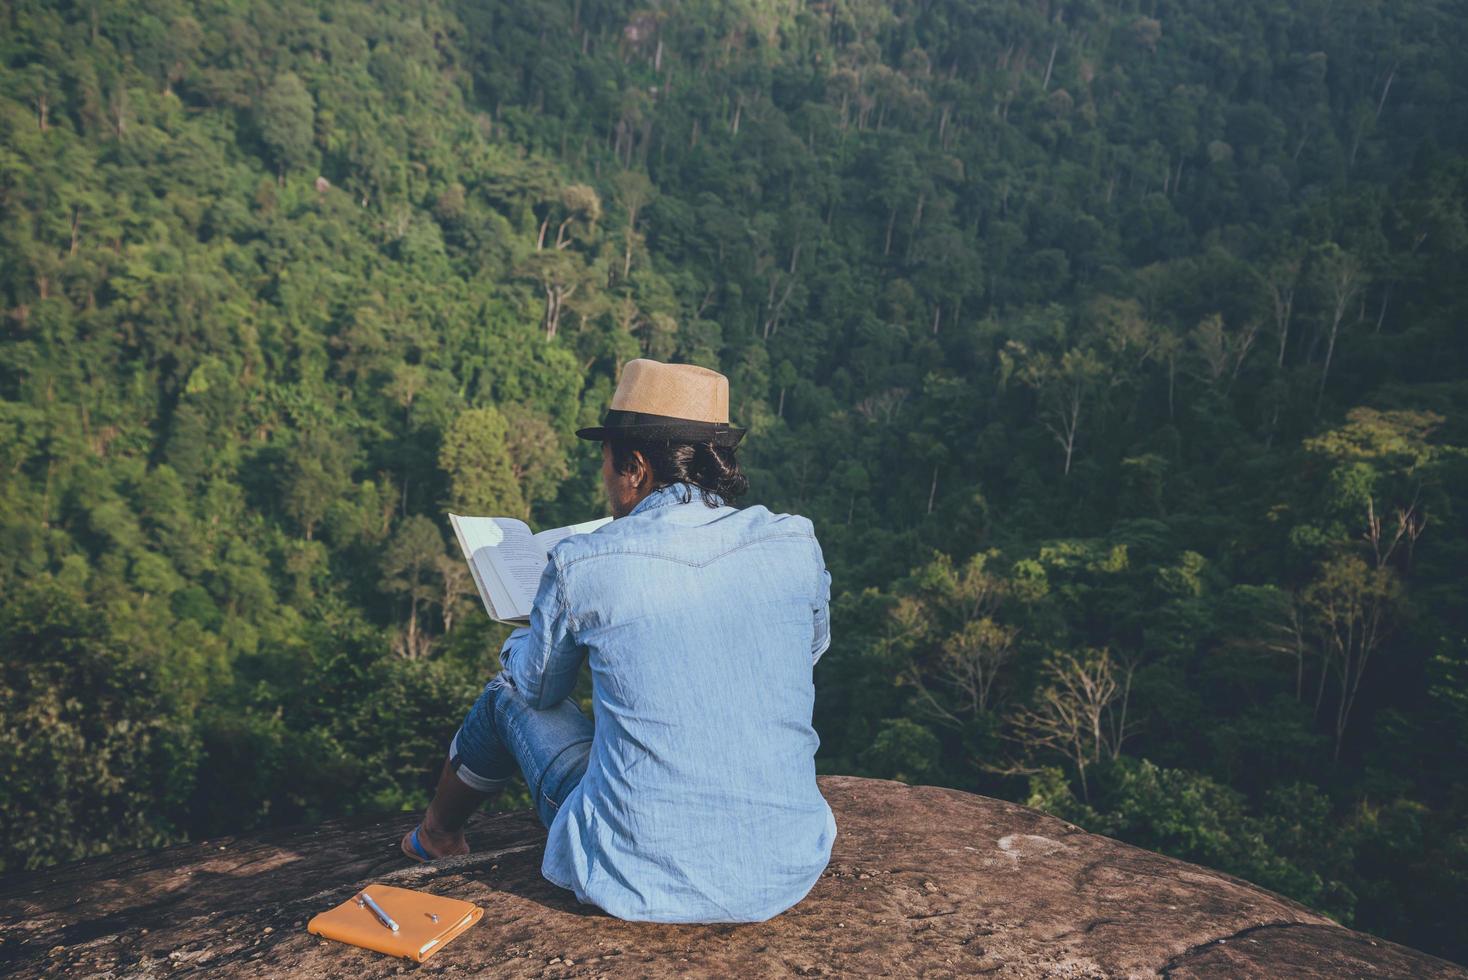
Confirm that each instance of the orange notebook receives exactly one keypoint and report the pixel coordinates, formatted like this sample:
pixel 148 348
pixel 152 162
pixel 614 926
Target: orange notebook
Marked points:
pixel 418 936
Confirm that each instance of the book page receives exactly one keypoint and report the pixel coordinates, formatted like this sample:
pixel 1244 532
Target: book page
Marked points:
pixel 507 560
pixel 519 560
pixel 550 538
pixel 481 538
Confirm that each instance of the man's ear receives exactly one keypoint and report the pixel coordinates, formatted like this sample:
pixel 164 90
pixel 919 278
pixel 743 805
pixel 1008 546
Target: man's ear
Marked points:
pixel 642 469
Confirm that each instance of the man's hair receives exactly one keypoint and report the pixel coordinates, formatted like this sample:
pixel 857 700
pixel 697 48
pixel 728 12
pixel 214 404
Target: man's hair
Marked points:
pixel 713 469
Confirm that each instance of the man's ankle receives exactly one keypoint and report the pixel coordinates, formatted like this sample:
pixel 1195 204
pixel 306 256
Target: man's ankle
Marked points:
pixel 433 829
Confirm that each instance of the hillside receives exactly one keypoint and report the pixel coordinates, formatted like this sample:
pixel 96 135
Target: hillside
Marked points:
pixel 1113 347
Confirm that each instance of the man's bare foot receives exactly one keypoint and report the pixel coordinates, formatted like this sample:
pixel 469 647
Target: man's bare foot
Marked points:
pixel 437 843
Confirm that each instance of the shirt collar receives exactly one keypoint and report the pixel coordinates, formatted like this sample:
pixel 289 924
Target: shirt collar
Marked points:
pixel 671 494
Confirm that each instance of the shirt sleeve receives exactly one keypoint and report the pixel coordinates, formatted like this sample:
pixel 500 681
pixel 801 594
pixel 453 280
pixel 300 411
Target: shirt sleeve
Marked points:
pixel 822 636
pixel 543 659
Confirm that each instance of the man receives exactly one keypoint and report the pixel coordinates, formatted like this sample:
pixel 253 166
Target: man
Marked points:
pixel 693 798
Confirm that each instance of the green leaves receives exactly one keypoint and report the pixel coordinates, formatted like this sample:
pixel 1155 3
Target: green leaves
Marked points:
pixel 1386 439
pixel 96 752
pixel 475 455
pixel 902 750
pixel 286 115
pixel 1058 298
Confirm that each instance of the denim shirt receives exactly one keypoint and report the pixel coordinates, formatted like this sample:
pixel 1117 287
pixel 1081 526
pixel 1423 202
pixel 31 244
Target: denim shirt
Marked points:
pixel 701 626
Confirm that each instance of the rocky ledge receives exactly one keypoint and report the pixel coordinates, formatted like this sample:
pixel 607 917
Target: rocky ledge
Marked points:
pixel 924 882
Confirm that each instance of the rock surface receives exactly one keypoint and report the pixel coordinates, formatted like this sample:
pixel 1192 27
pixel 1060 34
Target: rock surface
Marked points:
pixel 924 882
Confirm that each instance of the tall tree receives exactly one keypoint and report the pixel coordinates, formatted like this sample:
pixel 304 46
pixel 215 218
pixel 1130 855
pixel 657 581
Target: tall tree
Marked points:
pixel 476 457
pixel 286 117
pixel 409 565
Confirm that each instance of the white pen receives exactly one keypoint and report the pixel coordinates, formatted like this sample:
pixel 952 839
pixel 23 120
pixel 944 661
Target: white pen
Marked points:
pixel 377 910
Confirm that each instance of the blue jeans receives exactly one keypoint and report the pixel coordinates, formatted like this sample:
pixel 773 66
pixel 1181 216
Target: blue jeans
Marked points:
pixel 503 733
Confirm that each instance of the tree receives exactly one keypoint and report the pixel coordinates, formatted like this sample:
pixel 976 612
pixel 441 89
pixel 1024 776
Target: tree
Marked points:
pixel 1352 605
pixel 852 480
pixel 536 460
pixel 950 633
pixel 1381 462
pixel 561 275
pixel 902 750
pixel 966 665
pixel 581 207
pixel 660 336
pixel 318 473
pixel 1080 714
pixel 1064 387
pixel 458 585
pixel 1341 275
pixel 1221 351
pixel 1274 621
pixel 184 39
pixel 42 84
pixel 286 117
pixel 96 746
pixel 633 192
pixel 785 377
pixel 1280 281
pixel 476 457
pixel 408 566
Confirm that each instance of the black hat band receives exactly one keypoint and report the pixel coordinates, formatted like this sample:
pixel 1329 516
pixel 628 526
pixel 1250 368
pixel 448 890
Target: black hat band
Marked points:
pixel 620 423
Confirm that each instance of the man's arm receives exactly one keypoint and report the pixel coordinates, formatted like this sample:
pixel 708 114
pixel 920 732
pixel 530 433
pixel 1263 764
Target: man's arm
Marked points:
pixel 543 659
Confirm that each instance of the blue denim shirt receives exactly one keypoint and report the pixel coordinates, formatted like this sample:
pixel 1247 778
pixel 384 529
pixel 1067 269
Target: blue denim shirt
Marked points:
pixel 701 626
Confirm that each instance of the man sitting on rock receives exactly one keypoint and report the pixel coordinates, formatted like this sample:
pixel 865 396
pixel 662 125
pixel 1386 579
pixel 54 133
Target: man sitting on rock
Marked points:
pixel 693 798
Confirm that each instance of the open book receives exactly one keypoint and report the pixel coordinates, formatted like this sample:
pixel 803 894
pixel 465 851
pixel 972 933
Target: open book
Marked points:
pixel 507 560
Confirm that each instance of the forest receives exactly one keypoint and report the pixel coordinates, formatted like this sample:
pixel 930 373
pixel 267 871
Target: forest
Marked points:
pixel 1115 348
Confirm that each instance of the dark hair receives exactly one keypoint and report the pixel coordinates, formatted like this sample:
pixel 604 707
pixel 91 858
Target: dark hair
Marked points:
pixel 713 469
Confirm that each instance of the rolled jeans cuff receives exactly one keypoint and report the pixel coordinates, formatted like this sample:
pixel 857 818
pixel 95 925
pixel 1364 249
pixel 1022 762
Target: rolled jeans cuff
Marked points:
pixel 470 778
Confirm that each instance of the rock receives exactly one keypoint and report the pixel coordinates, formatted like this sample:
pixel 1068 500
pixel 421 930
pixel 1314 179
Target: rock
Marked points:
pixel 923 882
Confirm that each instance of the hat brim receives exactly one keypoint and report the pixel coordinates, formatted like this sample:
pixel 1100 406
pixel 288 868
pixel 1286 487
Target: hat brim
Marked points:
pixel 689 431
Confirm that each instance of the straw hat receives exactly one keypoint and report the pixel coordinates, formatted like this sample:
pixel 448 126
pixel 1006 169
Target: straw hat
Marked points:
pixel 668 402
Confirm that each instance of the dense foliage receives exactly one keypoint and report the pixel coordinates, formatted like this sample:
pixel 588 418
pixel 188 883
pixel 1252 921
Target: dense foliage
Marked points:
pixel 1112 345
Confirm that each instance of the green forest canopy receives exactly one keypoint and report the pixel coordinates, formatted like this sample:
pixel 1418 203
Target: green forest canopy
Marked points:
pixel 1115 349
